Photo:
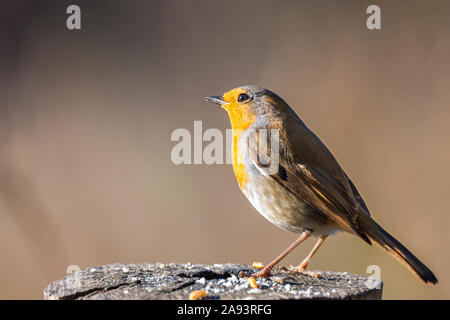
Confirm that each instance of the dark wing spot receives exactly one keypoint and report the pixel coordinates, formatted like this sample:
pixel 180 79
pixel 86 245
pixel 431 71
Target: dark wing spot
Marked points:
pixel 282 173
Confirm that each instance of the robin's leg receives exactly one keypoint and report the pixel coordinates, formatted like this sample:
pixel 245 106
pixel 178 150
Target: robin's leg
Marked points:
pixel 265 272
pixel 302 266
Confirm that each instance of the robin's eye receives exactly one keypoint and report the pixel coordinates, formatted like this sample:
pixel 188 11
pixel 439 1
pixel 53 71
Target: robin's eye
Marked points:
pixel 243 97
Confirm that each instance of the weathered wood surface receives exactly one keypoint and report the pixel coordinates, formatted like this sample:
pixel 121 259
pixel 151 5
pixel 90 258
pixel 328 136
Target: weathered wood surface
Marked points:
pixel 220 281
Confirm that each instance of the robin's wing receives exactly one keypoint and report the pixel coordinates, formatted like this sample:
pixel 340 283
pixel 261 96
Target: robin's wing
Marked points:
pixel 357 195
pixel 326 194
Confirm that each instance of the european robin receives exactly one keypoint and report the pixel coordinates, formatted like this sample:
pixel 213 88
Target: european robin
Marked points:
pixel 305 191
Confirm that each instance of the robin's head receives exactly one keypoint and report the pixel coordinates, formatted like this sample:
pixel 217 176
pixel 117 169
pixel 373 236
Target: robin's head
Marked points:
pixel 245 104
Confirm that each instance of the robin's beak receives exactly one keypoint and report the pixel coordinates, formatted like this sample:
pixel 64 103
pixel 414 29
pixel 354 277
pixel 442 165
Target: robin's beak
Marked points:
pixel 216 100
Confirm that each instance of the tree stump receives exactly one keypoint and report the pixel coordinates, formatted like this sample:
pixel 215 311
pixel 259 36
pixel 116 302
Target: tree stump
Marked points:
pixel 219 281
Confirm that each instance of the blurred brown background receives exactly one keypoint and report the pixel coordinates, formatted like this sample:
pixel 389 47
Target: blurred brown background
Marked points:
pixel 86 118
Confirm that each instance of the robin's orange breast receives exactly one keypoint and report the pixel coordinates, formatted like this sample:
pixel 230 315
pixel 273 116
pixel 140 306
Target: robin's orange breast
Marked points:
pixel 238 157
pixel 241 119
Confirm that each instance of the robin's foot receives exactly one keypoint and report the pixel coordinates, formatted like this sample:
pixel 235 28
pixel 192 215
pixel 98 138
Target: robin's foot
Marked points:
pixel 264 273
pixel 300 270
pixel 303 265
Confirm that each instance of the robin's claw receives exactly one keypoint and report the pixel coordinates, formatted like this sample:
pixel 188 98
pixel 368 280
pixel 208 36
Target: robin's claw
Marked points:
pixel 264 273
pixel 300 270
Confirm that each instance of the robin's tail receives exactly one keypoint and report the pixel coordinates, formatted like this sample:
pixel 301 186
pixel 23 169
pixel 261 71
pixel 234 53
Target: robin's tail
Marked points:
pixel 379 235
